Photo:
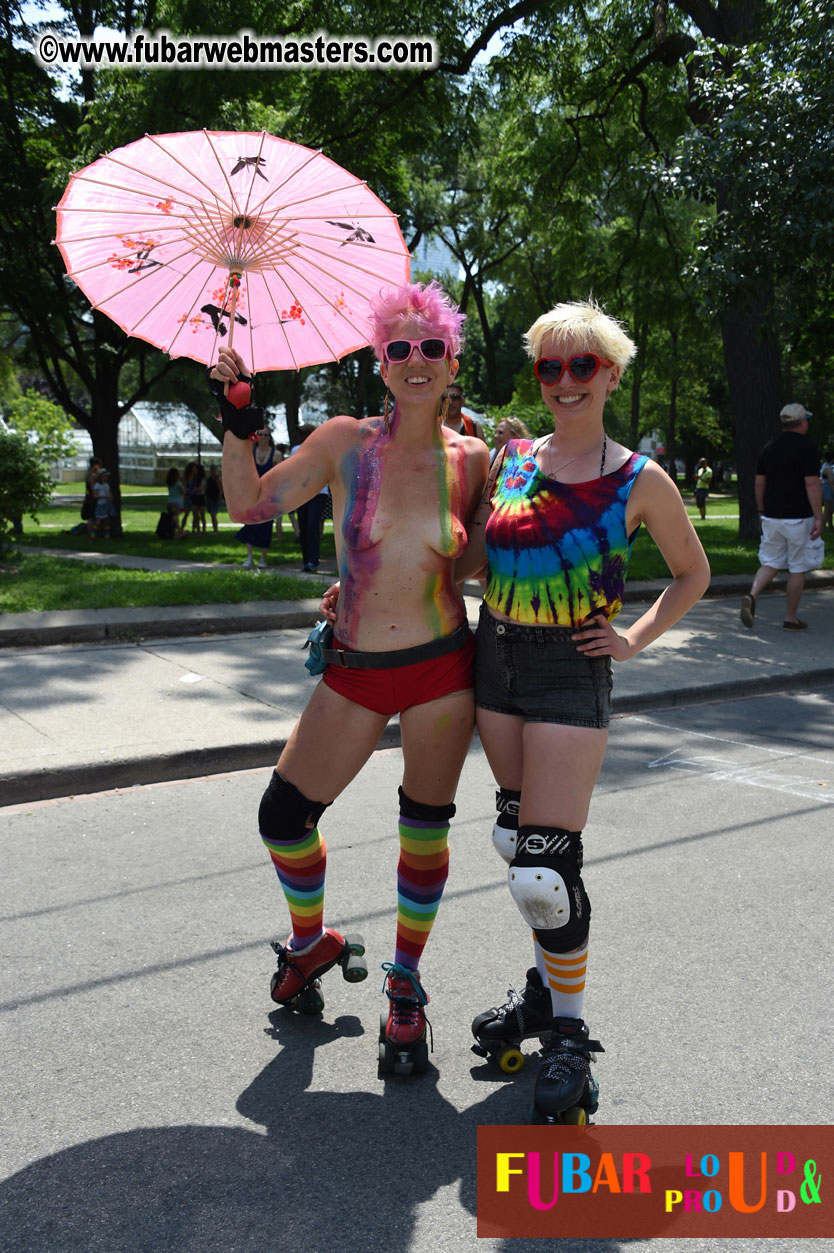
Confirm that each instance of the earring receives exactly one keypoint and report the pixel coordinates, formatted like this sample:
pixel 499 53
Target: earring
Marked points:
pixel 385 417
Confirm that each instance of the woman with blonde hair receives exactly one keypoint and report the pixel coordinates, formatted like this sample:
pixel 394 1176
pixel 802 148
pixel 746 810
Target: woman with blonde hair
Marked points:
pixel 506 429
pixel 554 532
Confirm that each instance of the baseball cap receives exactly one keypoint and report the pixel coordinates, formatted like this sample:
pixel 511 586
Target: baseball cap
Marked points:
pixel 794 413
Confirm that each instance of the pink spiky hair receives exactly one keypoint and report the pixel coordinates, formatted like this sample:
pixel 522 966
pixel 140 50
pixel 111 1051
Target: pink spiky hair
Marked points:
pixel 426 305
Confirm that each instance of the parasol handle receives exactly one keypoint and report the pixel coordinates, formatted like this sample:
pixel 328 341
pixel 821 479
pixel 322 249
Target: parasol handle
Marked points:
pixel 234 283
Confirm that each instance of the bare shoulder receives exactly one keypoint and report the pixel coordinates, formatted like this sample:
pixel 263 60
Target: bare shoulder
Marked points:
pixel 654 495
pixel 371 428
pixel 343 426
pixel 474 449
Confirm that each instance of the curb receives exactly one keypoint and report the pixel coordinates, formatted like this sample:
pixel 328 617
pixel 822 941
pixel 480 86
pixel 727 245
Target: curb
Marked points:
pixel 708 693
pixel 48 784
pixel 96 626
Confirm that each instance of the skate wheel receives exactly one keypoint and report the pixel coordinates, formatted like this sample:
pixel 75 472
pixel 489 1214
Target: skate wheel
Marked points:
pixel 383 1027
pixel 355 969
pixel 387 1057
pixel 511 1061
pixel 575 1117
pixel 404 1063
pixel 420 1057
pixel 310 1001
pixel 356 943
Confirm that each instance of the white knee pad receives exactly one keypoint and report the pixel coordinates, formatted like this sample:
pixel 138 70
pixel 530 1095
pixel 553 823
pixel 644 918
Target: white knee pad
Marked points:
pixel 504 839
pixel 542 896
pixel 546 885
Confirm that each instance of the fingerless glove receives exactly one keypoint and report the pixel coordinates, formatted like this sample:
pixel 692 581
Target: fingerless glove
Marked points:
pixel 237 413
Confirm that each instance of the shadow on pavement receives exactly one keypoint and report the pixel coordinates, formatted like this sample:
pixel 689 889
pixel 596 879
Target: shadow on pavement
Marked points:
pixel 334 1170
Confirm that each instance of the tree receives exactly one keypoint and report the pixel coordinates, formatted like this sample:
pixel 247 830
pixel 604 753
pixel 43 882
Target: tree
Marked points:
pixel 764 151
pixel 635 89
pixel 45 422
pixel 25 485
pixel 365 120
pixel 79 354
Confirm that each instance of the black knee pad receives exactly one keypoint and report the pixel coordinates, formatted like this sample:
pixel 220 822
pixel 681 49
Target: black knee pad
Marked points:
pixel 508 804
pixel 424 813
pixel 547 887
pixel 285 813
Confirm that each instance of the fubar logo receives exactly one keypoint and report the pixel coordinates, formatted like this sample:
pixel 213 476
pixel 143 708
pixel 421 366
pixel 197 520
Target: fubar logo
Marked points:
pixel 679 1182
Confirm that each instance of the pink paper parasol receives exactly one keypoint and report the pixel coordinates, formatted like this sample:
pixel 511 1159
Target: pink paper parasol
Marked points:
pixel 194 240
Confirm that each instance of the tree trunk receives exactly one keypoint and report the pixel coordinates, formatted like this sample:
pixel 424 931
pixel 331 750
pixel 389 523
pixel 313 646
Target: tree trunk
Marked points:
pixel 751 359
pixel 292 402
pixel 364 373
pixel 490 363
pixel 104 431
pixel 672 421
pixel 642 340
pixel 820 424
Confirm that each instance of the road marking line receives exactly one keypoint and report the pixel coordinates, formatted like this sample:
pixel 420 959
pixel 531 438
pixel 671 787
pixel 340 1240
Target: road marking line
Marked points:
pixel 726 770
pixel 726 739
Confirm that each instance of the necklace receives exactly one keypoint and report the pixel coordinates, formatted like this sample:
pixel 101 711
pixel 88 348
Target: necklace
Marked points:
pixel 565 464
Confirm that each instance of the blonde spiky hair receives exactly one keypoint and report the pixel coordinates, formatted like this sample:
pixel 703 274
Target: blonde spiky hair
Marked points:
pixel 587 323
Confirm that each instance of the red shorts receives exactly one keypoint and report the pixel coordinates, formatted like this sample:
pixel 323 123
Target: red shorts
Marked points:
pixel 394 690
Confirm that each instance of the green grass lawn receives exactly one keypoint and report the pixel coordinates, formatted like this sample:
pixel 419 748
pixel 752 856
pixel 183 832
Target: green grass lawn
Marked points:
pixel 726 552
pixel 38 582
pixel 35 581
pixel 717 507
pixel 140 540
pixel 127 489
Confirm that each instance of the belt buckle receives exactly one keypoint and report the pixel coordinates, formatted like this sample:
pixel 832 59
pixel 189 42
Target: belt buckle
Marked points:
pixel 340 653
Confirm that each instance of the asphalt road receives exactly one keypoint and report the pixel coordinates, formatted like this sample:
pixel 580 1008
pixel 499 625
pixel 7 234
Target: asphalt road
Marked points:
pixel 152 1099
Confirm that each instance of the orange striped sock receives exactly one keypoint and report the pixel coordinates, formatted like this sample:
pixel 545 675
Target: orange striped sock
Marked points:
pixel 564 974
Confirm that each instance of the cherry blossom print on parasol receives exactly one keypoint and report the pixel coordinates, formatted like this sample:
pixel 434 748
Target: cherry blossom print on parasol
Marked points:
pixel 201 239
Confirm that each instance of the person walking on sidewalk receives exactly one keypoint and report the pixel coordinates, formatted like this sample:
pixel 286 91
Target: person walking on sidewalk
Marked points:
pixel 556 528
pixel 403 488
pixel 789 500
pixel 827 485
pixel 703 479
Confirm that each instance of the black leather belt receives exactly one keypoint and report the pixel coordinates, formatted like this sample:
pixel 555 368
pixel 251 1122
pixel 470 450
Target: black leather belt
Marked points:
pixel 400 656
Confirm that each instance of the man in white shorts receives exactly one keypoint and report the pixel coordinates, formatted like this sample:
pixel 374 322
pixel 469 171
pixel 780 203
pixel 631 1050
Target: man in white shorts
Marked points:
pixel 789 498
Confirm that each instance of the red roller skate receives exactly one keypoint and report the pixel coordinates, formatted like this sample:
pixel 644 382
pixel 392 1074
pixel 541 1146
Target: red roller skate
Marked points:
pixel 297 981
pixel 402 1034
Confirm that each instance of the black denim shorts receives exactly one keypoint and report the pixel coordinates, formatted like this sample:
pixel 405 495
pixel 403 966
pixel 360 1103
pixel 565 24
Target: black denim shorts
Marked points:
pixel 537 673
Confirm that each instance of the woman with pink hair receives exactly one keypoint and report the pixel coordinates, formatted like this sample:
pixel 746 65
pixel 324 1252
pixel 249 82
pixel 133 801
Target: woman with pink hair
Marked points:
pixel 403 489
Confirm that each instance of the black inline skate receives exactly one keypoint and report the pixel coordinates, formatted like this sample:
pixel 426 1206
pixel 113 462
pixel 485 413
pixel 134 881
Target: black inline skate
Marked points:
pixel 500 1031
pixel 565 1090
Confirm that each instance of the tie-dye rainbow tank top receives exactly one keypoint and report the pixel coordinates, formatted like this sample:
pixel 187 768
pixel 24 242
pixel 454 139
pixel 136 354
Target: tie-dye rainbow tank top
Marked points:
pixel 557 552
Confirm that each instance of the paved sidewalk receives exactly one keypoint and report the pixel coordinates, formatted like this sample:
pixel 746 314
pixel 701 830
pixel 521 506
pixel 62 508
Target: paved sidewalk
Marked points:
pixel 217 688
